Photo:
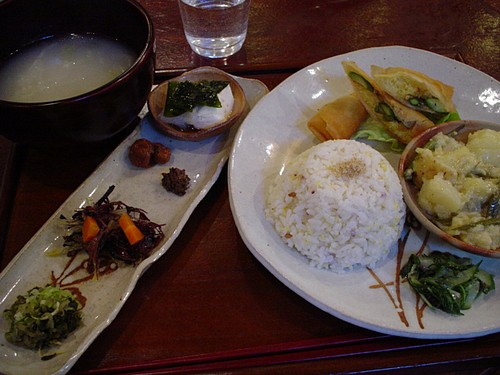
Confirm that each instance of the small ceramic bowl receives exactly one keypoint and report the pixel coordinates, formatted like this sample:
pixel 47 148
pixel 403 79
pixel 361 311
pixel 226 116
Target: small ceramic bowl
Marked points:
pixel 410 191
pixel 156 103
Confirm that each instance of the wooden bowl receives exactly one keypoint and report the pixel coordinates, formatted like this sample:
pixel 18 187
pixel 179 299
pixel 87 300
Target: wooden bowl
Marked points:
pixel 156 103
pixel 410 191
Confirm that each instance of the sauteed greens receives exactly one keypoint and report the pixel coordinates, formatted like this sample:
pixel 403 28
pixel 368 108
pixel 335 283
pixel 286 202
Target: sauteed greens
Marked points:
pixel 447 282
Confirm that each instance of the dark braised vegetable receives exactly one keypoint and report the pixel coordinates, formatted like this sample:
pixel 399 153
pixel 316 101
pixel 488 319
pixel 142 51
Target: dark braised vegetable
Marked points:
pixel 109 243
pixel 176 181
pixel 447 282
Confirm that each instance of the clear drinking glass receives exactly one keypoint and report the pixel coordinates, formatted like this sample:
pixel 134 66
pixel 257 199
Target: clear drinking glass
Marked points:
pixel 215 28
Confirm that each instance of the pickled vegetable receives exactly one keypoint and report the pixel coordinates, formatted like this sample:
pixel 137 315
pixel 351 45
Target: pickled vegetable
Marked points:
pixel 447 282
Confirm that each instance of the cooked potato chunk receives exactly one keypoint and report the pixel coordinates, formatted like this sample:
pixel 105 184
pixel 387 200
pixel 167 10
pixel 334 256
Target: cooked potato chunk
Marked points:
pixel 440 198
pixel 484 143
pixel 477 191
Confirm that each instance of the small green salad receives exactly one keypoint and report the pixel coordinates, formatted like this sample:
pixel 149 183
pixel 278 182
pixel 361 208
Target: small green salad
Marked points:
pixel 43 317
pixel 447 282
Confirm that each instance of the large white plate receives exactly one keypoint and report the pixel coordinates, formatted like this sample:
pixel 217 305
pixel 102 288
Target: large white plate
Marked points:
pixel 275 131
pixel 203 162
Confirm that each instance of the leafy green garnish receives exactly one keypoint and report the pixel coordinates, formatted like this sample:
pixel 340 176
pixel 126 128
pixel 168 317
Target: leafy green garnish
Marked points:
pixel 447 282
pixel 374 131
pixel 452 116
pixel 42 318
pixel 184 96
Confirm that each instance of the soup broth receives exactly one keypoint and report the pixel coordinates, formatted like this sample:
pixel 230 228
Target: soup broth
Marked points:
pixel 62 67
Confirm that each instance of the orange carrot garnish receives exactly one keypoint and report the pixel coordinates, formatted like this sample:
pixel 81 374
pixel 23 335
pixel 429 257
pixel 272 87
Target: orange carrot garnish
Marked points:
pixel 90 228
pixel 131 231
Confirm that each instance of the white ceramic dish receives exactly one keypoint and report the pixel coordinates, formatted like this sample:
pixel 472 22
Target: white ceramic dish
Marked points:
pixel 275 131
pixel 203 162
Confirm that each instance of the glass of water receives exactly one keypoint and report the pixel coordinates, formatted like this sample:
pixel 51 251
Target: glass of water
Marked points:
pixel 215 28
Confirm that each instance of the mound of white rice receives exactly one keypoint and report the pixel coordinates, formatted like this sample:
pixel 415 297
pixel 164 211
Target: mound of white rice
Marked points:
pixel 340 204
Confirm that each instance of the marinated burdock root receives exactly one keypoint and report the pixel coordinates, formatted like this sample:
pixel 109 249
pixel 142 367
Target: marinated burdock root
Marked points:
pixel 145 154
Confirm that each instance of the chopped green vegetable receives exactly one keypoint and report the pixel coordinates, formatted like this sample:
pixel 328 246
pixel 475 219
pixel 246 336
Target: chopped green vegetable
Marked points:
pixel 435 105
pixel 42 318
pixel 416 102
pixel 433 109
pixel 185 95
pixel 361 80
pixel 386 111
pixel 447 282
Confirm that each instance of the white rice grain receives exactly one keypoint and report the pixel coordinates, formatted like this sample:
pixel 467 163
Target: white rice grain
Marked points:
pixel 340 204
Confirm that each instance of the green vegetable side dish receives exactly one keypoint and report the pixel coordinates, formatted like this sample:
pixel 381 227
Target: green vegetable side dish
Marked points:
pixel 185 95
pixel 42 318
pixel 447 282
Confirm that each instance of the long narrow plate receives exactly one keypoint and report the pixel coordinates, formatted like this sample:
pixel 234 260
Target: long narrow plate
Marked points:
pixel 203 162
pixel 275 131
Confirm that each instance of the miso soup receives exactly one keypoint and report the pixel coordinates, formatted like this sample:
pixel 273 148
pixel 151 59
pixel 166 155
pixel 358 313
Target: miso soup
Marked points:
pixel 62 67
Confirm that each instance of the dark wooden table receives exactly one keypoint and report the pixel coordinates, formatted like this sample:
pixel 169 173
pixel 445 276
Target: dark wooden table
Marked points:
pixel 208 305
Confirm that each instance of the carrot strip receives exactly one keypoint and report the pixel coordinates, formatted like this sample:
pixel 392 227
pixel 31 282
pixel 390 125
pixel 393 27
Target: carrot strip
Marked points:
pixel 90 228
pixel 131 231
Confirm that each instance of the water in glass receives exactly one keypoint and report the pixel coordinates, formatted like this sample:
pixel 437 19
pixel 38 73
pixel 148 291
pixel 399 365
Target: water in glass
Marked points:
pixel 214 28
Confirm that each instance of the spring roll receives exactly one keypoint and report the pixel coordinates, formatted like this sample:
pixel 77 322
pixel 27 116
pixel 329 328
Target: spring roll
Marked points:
pixel 403 122
pixel 415 90
pixel 338 119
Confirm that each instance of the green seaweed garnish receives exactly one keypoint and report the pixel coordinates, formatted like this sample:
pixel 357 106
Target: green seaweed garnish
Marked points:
pixel 185 95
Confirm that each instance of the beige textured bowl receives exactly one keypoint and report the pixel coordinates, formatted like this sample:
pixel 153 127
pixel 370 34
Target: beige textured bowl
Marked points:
pixel 410 191
pixel 156 103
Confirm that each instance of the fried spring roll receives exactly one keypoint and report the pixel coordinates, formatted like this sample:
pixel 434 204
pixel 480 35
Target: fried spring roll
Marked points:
pixel 416 90
pixel 401 121
pixel 339 119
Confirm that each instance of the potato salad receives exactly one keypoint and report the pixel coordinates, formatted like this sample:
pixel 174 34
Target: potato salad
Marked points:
pixel 459 185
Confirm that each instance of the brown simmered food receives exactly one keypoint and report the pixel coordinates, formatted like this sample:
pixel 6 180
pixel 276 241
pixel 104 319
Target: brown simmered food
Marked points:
pixel 145 154
pixel 161 154
pixel 176 181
